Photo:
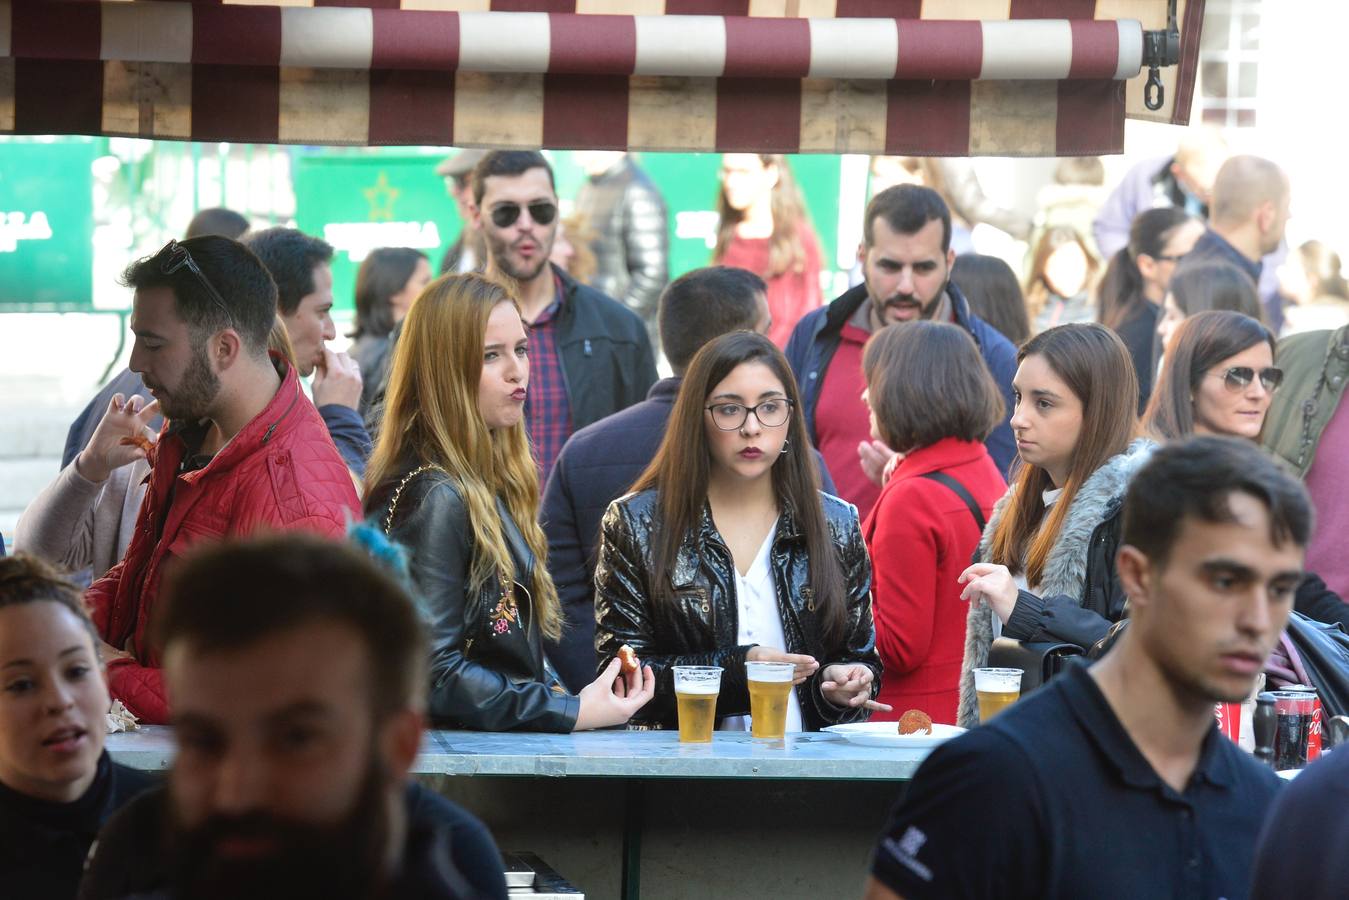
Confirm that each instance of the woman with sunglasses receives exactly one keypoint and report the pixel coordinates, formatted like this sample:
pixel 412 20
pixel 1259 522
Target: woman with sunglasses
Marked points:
pixel 1131 293
pixel 453 480
pixel 1219 378
pixel 1045 567
pixel 727 552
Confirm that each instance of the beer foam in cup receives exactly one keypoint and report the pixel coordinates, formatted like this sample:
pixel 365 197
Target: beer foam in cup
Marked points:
pixel 771 672
pixel 697 679
pixel 997 680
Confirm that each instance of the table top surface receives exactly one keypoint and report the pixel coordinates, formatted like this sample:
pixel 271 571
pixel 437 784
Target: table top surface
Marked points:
pixel 610 754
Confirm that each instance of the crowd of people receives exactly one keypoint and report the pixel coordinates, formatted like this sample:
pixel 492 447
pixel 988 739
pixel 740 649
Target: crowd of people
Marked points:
pixel 886 491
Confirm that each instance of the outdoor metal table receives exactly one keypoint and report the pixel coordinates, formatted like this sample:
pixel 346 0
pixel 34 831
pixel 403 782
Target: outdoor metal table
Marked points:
pixel 738 817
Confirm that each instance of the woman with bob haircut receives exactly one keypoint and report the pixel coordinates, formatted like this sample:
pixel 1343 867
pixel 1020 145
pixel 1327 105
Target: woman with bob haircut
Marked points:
pixel 727 552
pixel 1205 286
pixel 925 526
pixel 452 479
pixel 1219 378
pixel 57 783
pixel 1046 563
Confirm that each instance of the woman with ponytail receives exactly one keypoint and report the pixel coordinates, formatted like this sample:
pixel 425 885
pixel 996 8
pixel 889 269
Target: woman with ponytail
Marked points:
pixel 1046 563
pixel 452 479
pixel 1135 284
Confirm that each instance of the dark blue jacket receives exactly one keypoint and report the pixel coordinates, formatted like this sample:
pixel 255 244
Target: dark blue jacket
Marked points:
pixel 817 336
pixel 597 465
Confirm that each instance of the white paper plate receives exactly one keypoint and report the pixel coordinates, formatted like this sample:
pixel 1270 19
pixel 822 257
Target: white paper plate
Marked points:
pixel 886 734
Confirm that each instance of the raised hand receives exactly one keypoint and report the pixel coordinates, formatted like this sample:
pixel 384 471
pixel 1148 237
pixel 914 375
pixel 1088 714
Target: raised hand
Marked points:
pixel 106 451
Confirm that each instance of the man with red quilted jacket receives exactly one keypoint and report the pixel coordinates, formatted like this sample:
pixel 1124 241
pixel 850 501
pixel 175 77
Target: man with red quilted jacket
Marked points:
pixel 242 450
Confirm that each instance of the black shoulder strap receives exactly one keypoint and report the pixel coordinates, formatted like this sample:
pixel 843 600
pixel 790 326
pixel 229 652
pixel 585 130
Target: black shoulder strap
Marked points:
pixel 962 493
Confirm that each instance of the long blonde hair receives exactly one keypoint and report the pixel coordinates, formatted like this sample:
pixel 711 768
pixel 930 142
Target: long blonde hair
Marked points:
pixel 431 413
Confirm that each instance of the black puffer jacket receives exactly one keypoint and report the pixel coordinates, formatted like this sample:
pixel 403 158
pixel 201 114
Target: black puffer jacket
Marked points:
pixel 704 632
pixel 487 668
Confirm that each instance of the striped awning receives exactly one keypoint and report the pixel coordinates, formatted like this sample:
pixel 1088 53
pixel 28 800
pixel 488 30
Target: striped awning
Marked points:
pixel 920 77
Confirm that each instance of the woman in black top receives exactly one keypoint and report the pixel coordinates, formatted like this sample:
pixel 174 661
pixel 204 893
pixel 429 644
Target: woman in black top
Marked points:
pixel 1136 281
pixel 57 784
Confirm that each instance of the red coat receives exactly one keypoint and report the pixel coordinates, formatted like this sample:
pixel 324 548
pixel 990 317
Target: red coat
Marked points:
pixel 281 471
pixel 922 536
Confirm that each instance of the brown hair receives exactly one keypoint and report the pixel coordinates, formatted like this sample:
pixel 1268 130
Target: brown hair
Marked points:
pixel 25 578
pixel 228 595
pixel 1037 288
pixel 1201 342
pixel 682 468
pixel 786 252
pixel 1096 366
pixel 908 364
pixel 1214 284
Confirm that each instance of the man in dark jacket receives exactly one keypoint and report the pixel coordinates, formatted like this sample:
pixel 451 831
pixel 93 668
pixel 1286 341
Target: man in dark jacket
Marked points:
pixel 297 670
pixel 601 461
pixel 632 239
pixel 906 260
pixel 589 355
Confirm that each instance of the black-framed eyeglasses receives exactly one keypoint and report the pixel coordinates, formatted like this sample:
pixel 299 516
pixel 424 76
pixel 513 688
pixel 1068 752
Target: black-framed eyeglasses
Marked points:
pixel 732 416
pixel 175 257
pixel 541 211
pixel 1238 378
pixel 1167 258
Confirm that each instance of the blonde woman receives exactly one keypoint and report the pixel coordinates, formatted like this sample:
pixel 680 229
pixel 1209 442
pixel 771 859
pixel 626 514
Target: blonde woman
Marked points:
pixel 452 479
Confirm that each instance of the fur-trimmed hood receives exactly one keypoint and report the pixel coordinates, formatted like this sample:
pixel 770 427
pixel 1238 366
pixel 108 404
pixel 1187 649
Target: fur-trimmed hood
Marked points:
pixel 1065 571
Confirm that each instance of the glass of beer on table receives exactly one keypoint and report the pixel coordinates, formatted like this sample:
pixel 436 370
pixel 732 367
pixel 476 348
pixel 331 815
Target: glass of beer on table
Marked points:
pixel 770 685
pixel 996 689
pixel 696 690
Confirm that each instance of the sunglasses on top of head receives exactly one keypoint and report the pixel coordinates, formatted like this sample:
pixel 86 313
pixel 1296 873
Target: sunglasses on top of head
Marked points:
pixel 504 215
pixel 174 257
pixel 1238 378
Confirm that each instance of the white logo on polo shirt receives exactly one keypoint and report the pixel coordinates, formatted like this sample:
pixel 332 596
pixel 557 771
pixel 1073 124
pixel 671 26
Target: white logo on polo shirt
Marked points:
pixel 905 851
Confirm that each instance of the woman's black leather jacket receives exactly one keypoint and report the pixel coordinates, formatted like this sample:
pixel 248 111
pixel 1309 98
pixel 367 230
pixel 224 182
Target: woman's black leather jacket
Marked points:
pixel 704 627
pixel 487 665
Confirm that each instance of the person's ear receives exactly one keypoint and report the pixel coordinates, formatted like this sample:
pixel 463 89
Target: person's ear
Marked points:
pixel 862 252
pixel 475 212
pixel 226 348
pixel 401 739
pixel 950 259
pixel 1135 575
pixel 1265 215
pixel 1147 266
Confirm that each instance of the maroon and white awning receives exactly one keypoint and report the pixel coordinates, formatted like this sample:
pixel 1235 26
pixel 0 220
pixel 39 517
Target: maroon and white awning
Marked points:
pixel 835 78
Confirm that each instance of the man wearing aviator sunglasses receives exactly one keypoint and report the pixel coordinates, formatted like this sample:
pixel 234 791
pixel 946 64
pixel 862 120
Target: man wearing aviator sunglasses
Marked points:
pixel 590 356
pixel 243 450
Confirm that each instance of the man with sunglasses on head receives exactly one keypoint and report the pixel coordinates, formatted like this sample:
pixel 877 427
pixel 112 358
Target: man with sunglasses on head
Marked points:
pixel 243 450
pixel 589 354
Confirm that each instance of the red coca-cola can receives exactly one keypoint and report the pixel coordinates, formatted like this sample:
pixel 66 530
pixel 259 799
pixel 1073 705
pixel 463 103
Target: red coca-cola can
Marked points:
pixel 1312 708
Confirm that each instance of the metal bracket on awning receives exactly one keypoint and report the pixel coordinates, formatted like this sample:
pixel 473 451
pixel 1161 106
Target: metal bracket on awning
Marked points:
pixel 1160 48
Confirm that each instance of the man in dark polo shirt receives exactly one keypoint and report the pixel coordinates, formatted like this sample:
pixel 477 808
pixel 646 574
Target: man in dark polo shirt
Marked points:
pixel 1115 781
pixel 906 260
pixel 589 355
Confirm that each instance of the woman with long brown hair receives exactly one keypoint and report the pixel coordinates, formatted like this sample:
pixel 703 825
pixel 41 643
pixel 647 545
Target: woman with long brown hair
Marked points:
pixel 764 227
pixel 452 479
pixel 727 552
pixel 1046 568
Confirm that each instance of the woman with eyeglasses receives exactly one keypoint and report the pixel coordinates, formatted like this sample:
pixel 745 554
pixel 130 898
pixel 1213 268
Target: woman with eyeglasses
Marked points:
pixel 1219 378
pixel 452 479
pixel 1131 293
pixel 727 552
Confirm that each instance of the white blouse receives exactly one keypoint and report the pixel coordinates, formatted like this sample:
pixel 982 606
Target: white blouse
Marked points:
pixel 761 623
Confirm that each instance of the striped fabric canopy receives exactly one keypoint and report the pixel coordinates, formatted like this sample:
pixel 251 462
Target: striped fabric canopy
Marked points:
pixel 920 77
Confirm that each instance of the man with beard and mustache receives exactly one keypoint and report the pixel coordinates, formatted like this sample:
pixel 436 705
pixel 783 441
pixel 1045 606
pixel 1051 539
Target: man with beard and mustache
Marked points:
pixel 906 259
pixel 589 355
pixel 243 449
pixel 297 671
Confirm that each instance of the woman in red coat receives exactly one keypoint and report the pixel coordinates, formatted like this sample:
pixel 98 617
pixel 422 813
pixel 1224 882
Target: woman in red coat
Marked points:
pixel 933 399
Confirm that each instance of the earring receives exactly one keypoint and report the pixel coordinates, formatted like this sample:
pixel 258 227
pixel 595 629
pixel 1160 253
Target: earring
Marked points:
pixel 785 447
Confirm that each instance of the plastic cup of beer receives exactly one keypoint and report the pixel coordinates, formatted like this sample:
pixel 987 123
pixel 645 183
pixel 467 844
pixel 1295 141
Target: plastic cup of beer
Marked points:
pixel 696 690
pixel 996 689
pixel 770 686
